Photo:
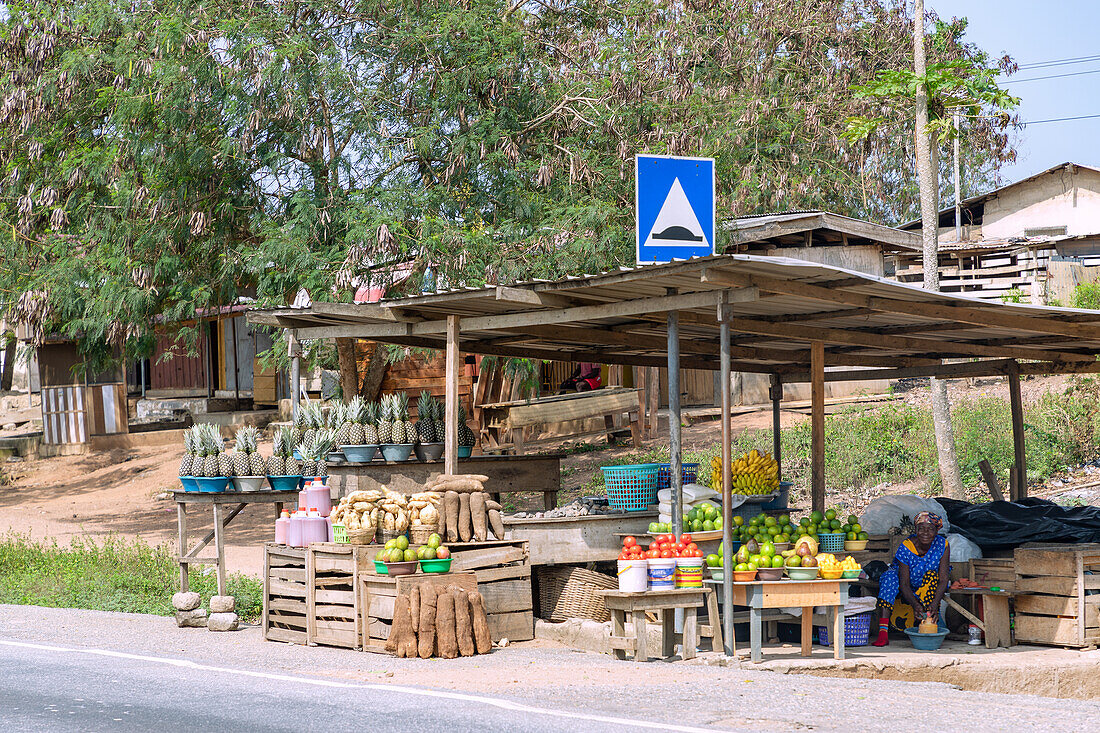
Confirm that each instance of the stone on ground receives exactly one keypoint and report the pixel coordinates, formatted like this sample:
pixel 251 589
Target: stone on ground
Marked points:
pixel 222 622
pixel 186 601
pixel 195 618
pixel 222 604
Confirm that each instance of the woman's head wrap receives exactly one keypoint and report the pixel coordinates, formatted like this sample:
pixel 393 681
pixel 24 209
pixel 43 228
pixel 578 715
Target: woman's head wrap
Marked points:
pixel 929 518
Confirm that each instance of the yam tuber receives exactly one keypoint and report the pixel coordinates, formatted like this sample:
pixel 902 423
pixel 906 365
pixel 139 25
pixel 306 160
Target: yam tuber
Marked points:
pixel 452 504
pixel 414 607
pixel 477 516
pixel 462 486
pixel 426 632
pixel 445 477
pixel 465 528
pixel 446 641
pixel 490 504
pixel 464 630
pixel 483 640
pixel 402 640
pixel 496 523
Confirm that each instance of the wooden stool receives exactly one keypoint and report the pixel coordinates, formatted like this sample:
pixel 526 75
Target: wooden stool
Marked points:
pixel 665 602
pixel 996 625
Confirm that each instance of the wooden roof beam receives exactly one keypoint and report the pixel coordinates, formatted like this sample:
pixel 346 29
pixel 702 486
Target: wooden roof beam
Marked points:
pixel 988 368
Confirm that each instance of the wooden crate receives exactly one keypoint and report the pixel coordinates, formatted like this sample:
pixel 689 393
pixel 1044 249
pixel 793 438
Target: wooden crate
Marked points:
pixel 1000 572
pixel 1053 606
pixel 311 595
pixel 503 573
pixel 285 609
pixel 379 593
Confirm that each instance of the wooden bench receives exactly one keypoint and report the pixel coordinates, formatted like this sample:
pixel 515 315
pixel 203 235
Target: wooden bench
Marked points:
pixel 997 623
pixel 512 418
pixel 665 603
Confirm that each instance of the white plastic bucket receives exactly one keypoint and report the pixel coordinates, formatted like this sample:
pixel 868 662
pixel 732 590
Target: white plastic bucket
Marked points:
pixel 633 576
pixel 662 573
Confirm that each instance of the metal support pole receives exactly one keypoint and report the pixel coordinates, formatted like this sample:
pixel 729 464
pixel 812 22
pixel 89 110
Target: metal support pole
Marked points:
pixel 817 425
pixel 675 467
pixel 958 176
pixel 776 394
pixel 295 352
pixel 727 489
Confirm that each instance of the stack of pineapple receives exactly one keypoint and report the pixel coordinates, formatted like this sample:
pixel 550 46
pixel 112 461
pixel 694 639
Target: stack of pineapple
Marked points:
pixel 247 460
pixel 315 452
pixel 282 462
pixel 394 427
pixel 205 456
pixel 430 427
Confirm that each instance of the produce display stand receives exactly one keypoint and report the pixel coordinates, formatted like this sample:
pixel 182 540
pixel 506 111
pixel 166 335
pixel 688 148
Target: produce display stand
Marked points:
pixel 996 623
pixel 665 603
pixel 565 540
pixel 219 502
pixel 507 475
pixel 1053 602
pixel 771 595
pixel 380 592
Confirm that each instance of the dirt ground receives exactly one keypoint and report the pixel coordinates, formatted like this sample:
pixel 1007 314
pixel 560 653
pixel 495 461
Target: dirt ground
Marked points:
pixel 125 492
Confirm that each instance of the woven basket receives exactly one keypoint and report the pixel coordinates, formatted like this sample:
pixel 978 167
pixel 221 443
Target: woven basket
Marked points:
pixel 419 533
pixel 385 535
pixel 566 592
pixel 360 536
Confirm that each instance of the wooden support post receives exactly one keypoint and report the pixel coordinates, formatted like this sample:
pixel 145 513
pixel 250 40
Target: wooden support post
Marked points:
pixel 450 447
pixel 776 394
pixel 653 397
pixel 236 369
pixel 675 466
pixel 991 480
pixel 1019 455
pixel 817 425
pixel 294 350
pixel 219 544
pixel 727 488
pixel 181 515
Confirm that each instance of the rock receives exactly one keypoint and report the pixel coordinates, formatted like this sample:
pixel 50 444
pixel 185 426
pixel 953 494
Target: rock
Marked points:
pixel 9 426
pixel 222 622
pixel 186 601
pixel 195 618
pixel 222 604
pixel 503 642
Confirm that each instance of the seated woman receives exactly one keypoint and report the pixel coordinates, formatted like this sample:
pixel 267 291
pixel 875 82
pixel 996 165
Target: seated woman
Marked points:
pixel 585 376
pixel 919 572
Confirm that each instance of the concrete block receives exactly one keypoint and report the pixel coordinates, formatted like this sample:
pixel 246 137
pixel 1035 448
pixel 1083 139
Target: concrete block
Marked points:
pixel 222 604
pixel 195 618
pixel 222 622
pixel 186 601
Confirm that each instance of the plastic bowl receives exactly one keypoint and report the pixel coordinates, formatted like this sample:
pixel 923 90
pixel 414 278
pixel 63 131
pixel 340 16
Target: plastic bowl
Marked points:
pixel 360 453
pixel 780 547
pixel 212 484
pixel 436 565
pixel 855 545
pixel 284 483
pixel 397 453
pixel 832 574
pixel 380 568
pixel 802 573
pixel 744 576
pixel 402 568
pixel 851 574
pixel 335 458
pixel 464 451
pixel 248 483
pixel 307 480
pixel 189 483
pixel 769 574
pixel 717 573
pixel 428 451
pixel 926 642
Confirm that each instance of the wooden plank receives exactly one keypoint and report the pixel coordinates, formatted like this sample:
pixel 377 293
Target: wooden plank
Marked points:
pixel 380 606
pixel 330 625
pixel 328 564
pixel 1018 452
pixel 1051 630
pixel 991 479
pixel 1046 562
pixel 296 575
pixel 508 572
pixel 572 409
pixel 346 597
pixel 817 426
pixel 284 604
pixel 417 384
pixel 1047 584
pixel 286 635
pixel 791 596
pixel 280 588
pixel 519 626
pixel 338 611
pixel 506 596
pixel 1053 605
pixel 489 557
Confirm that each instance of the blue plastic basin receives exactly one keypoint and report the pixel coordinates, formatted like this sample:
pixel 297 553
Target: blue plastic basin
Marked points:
pixel 189 483
pixel 360 453
pixel 284 483
pixel 211 484
pixel 926 642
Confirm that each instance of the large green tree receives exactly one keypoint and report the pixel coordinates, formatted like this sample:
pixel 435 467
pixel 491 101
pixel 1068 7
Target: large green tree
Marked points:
pixel 164 155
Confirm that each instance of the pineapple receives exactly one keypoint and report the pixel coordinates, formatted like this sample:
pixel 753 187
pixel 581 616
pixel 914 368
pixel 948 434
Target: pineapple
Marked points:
pixel 370 424
pixel 290 464
pixel 225 463
pixel 315 418
pixel 338 421
pixel 308 466
pixel 323 442
pixel 356 417
pixel 189 445
pixel 255 460
pixel 241 462
pixel 439 425
pixel 466 437
pixel 403 431
pixel 197 458
pixel 425 418
pixel 211 442
pixel 385 422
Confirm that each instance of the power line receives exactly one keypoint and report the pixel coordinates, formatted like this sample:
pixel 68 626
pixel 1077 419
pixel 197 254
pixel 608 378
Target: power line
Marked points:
pixel 1052 76
pixel 1059 62
pixel 1059 119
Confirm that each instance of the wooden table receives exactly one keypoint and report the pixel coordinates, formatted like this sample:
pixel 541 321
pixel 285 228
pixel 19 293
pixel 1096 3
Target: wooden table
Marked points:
pixel 996 625
pixel 760 595
pixel 507 474
pixel 664 602
pixel 510 418
pixel 219 501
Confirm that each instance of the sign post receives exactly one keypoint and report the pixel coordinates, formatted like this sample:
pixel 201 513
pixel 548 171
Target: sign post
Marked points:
pixel 675 208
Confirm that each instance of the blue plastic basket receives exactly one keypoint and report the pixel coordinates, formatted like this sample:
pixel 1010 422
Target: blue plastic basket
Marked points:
pixel 830 541
pixel 632 488
pixel 688 471
pixel 857 630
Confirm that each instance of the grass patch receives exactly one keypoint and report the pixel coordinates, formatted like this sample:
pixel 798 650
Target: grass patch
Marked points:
pixel 896 443
pixel 114 575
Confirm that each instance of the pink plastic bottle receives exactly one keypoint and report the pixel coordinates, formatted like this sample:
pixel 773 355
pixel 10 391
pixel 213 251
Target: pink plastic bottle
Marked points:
pixel 294 529
pixel 281 525
pixel 319 497
pixel 315 527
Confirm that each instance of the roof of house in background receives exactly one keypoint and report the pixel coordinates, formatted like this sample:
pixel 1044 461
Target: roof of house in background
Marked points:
pixel 793 228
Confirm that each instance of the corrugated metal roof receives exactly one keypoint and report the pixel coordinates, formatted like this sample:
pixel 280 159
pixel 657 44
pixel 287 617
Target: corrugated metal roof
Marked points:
pixel 776 306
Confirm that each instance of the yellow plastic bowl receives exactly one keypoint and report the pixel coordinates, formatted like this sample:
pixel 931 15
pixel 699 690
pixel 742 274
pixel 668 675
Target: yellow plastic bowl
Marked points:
pixel 831 574
pixel 855 545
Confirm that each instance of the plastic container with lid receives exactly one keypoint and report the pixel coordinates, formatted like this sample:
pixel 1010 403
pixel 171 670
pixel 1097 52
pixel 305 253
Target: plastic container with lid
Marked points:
pixel 318 497
pixel 281 525
pixel 314 527
pixel 294 529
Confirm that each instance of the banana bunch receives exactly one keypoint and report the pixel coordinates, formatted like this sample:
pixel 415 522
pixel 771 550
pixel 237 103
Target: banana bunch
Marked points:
pixel 754 473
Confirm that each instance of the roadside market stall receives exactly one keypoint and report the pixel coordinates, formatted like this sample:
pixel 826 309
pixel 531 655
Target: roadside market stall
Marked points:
pixel 793 320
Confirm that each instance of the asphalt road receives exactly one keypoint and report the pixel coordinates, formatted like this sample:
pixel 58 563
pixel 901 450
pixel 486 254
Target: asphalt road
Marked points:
pixel 64 670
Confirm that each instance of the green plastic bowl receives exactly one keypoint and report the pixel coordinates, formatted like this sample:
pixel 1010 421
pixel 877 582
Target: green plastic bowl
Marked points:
pixel 802 573
pixel 380 568
pixel 436 566
pixel 851 574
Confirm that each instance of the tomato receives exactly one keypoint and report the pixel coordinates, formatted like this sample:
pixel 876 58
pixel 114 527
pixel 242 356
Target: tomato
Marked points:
pixel 668 538
pixel 692 546
pixel 653 553
pixel 624 555
pixel 654 545
pixel 679 547
pixel 629 542
pixel 685 538
pixel 667 553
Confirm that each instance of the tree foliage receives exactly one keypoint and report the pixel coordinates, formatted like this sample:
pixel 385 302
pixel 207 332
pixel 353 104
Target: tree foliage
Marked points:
pixel 165 155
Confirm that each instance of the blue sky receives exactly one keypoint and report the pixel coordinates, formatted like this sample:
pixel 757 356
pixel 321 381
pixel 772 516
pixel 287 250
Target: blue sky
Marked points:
pixel 1034 31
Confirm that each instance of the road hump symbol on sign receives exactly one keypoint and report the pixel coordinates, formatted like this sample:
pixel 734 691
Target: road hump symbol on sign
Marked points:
pixel 676 224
